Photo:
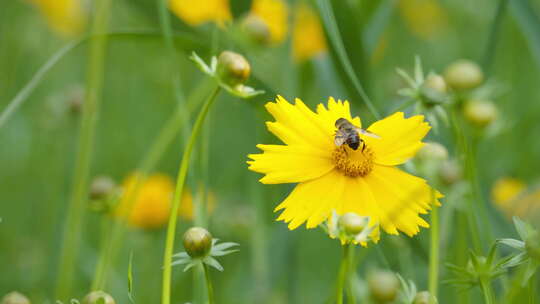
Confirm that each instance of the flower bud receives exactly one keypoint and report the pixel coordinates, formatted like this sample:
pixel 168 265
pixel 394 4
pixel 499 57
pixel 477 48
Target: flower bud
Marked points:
pixel 352 223
pixel 15 298
pixel 450 172
pixel 101 187
pixel 197 242
pixel 95 296
pixel 232 68
pixel 480 112
pixel 436 83
pixel 256 29
pixel 424 297
pixel 75 99
pixel 433 151
pixel 383 286
pixel 463 75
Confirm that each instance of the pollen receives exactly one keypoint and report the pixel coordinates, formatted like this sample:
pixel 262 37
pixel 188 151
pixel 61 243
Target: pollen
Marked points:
pixel 353 163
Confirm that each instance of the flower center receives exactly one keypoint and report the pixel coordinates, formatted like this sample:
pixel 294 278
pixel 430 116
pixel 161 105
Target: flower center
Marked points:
pixel 351 162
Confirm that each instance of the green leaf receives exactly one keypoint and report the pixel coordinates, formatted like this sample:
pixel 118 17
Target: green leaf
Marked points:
pixel 532 266
pixel 224 246
pixel 517 244
pixel 529 22
pixel 521 228
pixel 210 261
pixel 327 15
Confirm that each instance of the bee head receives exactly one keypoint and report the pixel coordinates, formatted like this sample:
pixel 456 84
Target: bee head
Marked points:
pixel 340 122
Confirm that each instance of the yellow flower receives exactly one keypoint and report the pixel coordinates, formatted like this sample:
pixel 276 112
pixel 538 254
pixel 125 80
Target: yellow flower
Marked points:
pixel 186 210
pixel 505 190
pixel 364 181
pixel 308 34
pixel 274 14
pixel 65 16
pixel 424 18
pixel 151 203
pixel 199 12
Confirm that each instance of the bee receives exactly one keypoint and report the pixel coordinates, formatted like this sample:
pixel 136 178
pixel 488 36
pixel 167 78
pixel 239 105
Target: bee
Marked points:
pixel 349 134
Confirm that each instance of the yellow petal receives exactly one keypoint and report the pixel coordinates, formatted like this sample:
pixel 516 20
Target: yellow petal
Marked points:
pixel 307 24
pixel 274 13
pixel 400 197
pixel 290 164
pixel 199 12
pixel 336 109
pixel 298 125
pixel 400 138
pixel 313 201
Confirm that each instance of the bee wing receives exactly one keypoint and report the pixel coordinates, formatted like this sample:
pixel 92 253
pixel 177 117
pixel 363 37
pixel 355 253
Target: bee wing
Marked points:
pixel 367 133
pixel 340 138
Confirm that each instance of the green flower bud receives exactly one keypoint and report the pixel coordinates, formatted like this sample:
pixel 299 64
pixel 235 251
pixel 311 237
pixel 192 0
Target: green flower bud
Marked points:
pixel 480 112
pixel 436 83
pixel 101 187
pixel 352 223
pixel 450 172
pixel 383 286
pixel 256 29
pixel 463 75
pixel 95 296
pixel 232 68
pixel 433 151
pixel 197 242
pixel 75 99
pixel 424 297
pixel 15 298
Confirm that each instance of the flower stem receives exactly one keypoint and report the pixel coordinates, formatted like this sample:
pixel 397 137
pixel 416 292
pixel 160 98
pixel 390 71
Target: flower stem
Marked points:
pixel 182 174
pixel 76 208
pixel 208 284
pixel 487 291
pixel 342 276
pixel 434 249
pixel 350 273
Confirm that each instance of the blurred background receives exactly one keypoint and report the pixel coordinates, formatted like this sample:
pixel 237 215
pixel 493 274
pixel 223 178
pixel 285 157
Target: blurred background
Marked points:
pixel 140 94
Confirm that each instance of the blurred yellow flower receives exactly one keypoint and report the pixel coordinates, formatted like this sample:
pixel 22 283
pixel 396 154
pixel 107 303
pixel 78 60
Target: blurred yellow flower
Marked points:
pixel 308 35
pixel 331 178
pixel 505 190
pixel 67 17
pixel 424 18
pixel 186 210
pixel 199 12
pixel 274 13
pixel 151 203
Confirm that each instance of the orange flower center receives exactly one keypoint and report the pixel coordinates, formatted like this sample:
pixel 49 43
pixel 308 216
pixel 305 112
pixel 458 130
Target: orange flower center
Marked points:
pixel 353 163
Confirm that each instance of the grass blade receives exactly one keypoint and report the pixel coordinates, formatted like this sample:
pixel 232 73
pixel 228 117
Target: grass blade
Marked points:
pixel 329 21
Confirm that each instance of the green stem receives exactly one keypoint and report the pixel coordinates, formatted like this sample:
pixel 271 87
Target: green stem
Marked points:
pixel 434 250
pixel 350 273
pixel 342 276
pixel 487 291
pixel 76 208
pixel 209 287
pixel 182 173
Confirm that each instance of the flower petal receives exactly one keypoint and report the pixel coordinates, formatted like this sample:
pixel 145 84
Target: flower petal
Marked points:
pixel 313 201
pixel 298 125
pixel 336 109
pixel 400 197
pixel 290 164
pixel 400 138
